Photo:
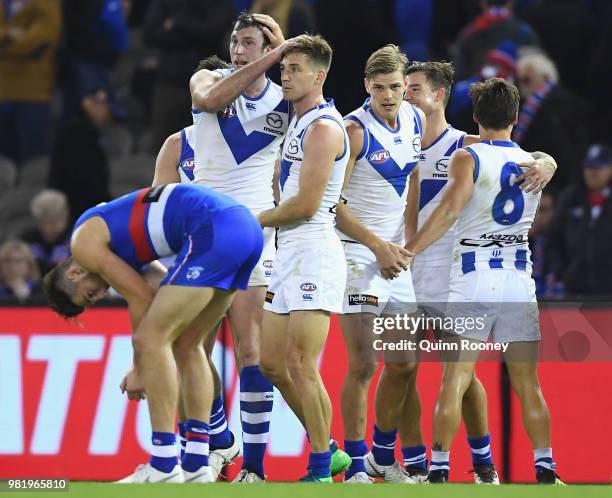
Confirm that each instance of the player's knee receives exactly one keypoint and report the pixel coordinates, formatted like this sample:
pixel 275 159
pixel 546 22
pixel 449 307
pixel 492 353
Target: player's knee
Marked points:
pixel 362 371
pixel 401 370
pixel 273 371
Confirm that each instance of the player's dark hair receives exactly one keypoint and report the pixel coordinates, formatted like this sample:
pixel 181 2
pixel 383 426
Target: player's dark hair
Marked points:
pixel 315 47
pixel 386 60
pixel 438 75
pixel 211 63
pixel 495 103
pixel 54 284
pixel 246 20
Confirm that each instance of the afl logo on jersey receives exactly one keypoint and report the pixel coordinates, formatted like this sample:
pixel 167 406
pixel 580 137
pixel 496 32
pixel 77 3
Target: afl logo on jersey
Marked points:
pixel 188 164
pixel 230 112
pixel 308 287
pixel 379 157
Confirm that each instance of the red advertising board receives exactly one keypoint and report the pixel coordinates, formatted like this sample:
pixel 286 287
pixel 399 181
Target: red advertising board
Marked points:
pixel 62 414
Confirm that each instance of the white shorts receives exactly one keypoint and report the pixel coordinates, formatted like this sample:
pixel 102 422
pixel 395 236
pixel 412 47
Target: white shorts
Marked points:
pixel 309 274
pixel 431 284
pixel 260 276
pixel 366 289
pixel 503 300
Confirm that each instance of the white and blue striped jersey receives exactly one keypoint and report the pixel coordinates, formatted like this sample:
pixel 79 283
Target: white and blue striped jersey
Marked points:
pixel 291 164
pixel 235 149
pixel 433 176
pixel 186 162
pixel 378 188
pixel 491 232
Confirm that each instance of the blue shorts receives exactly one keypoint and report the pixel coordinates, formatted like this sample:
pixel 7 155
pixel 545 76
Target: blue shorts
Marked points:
pixel 221 252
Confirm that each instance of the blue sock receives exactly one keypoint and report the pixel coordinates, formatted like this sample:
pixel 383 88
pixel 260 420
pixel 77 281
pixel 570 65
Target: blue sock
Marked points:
pixel 220 435
pixel 182 438
pixel 319 463
pixel 256 399
pixel 440 460
pixel 415 457
pixel 196 452
pixel 383 448
pixel 357 451
pixel 163 453
pixel 481 450
pixel 543 458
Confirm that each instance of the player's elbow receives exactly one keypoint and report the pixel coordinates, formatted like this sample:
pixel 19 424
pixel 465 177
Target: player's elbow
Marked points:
pixel 308 210
pixel 205 102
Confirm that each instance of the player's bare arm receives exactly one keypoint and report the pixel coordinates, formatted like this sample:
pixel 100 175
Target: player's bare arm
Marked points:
pixel 166 170
pixel 323 142
pixel 276 181
pixel 90 249
pixel 539 171
pixel 458 191
pixel 212 93
pixel 391 258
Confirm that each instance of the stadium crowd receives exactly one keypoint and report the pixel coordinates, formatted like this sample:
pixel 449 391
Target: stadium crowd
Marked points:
pixel 90 89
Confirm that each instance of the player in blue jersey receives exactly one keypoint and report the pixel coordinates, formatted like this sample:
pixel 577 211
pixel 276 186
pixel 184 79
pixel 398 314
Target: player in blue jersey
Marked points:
pixel 491 266
pixel 217 242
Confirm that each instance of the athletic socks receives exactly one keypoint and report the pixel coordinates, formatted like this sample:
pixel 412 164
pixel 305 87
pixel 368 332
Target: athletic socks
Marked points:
pixel 481 450
pixel 357 451
pixel 163 453
pixel 220 435
pixel 182 439
pixel 256 400
pixel 319 464
pixel 415 457
pixel 439 460
pixel 383 448
pixel 543 458
pixel 196 451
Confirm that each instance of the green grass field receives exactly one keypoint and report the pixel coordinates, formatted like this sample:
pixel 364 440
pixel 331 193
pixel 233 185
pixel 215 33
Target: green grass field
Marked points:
pixel 297 490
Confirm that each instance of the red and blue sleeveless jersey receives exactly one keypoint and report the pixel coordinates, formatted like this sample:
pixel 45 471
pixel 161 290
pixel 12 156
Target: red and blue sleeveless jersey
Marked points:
pixel 155 222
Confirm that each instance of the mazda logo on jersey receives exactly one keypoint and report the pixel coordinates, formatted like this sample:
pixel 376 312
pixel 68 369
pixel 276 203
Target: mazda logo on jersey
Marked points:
pixel 308 287
pixel 274 120
pixel 416 144
pixel 379 157
pixel 292 148
pixel 442 165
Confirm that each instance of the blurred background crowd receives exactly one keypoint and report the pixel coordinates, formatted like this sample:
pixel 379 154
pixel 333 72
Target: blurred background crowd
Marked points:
pixel 90 89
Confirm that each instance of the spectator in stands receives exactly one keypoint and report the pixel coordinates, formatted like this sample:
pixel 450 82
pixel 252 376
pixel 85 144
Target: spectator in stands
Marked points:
pixel 184 31
pixel 19 273
pixel 551 118
pixel 29 35
pixel 413 23
pixel 495 24
pixel 580 241
pixel 499 63
pixel 568 31
pixel 95 36
pixel 50 240
pixel 79 163
pixel 546 283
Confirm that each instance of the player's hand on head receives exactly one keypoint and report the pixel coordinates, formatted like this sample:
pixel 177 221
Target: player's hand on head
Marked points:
pixel 537 174
pixel 271 29
pixel 133 386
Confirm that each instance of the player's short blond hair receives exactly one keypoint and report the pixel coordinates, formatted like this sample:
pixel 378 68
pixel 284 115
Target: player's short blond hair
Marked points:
pixel 315 47
pixel 385 60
